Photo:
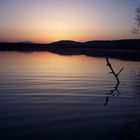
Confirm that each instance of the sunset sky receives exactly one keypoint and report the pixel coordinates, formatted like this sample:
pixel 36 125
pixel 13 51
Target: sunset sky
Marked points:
pixel 80 20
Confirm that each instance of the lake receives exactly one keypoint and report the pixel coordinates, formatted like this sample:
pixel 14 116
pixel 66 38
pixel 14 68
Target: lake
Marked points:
pixel 46 96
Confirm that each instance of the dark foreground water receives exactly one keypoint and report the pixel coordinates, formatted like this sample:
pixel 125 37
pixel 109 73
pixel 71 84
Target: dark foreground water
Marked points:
pixel 45 96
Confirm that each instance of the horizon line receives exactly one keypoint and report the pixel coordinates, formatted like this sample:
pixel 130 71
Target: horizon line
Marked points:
pixel 31 42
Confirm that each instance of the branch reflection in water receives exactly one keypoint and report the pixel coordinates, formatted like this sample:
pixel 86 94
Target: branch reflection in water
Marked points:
pixel 115 91
pixel 112 93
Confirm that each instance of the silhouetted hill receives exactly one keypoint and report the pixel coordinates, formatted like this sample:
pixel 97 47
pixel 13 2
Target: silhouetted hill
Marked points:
pixel 132 44
pixel 121 49
pixel 66 43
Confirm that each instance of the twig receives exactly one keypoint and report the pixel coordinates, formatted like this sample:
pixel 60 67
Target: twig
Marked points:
pixel 112 70
pixel 115 90
pixel 120 71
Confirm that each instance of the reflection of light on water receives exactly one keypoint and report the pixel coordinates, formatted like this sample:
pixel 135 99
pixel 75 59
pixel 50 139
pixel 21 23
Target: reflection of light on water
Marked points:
pixel 51 71
pixel 48 62
pixel 45 89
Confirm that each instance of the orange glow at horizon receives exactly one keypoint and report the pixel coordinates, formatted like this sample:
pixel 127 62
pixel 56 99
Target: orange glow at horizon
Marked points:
pixel 52 20
pixel 47 61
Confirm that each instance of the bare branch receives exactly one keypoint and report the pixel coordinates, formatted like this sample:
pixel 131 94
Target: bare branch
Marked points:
pixel 115 91
pixel 120 71
pixel 112 70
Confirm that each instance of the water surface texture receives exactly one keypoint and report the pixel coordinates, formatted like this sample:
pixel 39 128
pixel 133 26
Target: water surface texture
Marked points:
pixel 45 96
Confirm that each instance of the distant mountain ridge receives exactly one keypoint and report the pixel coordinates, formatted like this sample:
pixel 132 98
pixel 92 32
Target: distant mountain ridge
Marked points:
pixel 115 44
pixel 65 43
pixel 101 44
pixel 121 49
pixel 130 44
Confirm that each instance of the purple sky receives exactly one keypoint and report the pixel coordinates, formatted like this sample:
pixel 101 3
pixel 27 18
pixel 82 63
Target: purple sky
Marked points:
pixel 52 20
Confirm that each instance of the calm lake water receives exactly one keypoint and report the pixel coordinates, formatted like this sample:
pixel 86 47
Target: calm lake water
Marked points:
pixel 45 96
